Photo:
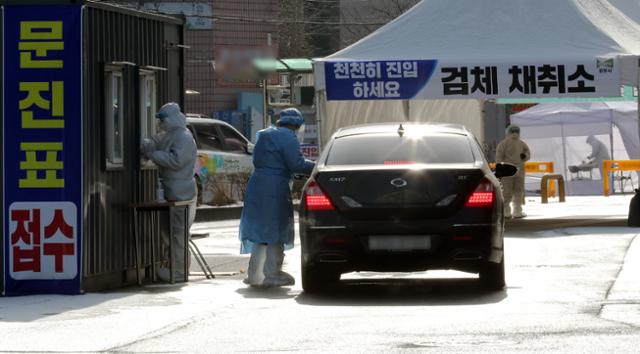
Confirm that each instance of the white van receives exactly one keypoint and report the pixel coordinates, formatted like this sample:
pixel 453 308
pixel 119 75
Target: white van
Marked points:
pixel 224 162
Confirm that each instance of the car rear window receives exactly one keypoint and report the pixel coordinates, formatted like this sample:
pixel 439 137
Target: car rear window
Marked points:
pixel 389 149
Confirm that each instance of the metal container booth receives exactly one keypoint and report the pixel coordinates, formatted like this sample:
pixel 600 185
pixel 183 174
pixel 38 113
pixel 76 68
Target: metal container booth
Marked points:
pixel 66 223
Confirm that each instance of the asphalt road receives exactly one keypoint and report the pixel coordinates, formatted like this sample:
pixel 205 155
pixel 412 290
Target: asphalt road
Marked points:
pixel 561 297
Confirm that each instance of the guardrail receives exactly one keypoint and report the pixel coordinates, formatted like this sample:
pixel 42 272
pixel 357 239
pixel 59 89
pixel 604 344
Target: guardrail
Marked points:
pixel 546 181
pixel 539 167
pixel 616 165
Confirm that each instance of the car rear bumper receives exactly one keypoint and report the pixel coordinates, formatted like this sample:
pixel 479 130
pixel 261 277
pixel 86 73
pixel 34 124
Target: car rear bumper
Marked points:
pixel 465 247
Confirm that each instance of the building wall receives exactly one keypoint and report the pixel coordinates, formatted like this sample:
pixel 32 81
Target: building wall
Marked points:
pixel 236 25
pixel 231 34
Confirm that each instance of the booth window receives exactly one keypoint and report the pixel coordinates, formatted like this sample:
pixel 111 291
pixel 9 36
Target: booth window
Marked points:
pixel 114 118
pixel 148 108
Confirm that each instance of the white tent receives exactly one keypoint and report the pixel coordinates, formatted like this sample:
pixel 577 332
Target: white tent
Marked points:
pixel 472 50
pixel 631 8
pixel 557 132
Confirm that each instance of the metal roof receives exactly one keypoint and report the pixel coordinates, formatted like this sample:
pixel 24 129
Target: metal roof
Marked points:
pixel 298 65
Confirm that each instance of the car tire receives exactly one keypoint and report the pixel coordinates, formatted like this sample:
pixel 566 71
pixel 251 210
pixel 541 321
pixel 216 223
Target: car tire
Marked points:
pixel 492 276
pixel 200 190
pixel 315 280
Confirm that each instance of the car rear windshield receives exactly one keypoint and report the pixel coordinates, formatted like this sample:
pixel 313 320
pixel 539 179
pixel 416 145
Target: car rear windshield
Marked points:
pixel 390 149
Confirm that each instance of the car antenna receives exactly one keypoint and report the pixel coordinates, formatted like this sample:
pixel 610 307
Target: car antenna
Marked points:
pixel 400 130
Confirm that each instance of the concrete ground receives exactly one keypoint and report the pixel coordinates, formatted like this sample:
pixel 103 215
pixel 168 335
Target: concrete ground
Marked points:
pixel 550 275
pixel 218 240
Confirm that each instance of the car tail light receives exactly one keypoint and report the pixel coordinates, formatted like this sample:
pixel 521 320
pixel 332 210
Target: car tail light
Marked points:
pixel 315 199
pixel 483 196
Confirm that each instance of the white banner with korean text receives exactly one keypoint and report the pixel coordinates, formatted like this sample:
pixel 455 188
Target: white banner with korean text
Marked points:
pixel 434 79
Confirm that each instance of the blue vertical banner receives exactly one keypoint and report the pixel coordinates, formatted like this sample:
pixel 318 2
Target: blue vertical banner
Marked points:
pixel 42 149
pixel 377 80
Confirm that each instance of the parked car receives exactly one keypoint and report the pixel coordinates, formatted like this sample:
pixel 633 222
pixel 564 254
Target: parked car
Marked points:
pixel 409 197
pixel 224 161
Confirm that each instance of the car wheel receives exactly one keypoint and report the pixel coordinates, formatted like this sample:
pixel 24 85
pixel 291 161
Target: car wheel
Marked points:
pixel 492 276
pixel 199 187
pixel 315 280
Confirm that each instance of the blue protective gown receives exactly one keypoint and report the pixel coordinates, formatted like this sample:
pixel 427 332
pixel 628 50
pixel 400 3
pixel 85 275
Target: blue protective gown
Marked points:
pixel 267 215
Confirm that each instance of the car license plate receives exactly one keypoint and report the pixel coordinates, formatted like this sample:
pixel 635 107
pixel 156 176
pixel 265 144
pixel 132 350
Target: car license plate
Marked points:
pixel 399 243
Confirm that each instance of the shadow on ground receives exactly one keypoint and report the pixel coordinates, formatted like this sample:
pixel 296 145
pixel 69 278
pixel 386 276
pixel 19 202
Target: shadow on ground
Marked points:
pixel 571 231
pixel 403 292
pixel 37 307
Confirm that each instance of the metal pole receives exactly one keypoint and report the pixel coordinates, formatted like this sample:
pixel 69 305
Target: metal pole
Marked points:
pixel 564 150
pixel 611 133
pixel 321 109
pixel 265 109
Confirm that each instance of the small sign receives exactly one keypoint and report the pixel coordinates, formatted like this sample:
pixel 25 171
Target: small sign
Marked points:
pixel 198 23
pixel 310 151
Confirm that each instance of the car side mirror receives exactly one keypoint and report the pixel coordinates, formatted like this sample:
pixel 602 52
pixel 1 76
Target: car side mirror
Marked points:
pixel 250 148
pixel 504 169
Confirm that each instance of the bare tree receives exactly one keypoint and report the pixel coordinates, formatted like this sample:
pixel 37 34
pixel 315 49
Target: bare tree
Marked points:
pixel 363 17
pixel 292 39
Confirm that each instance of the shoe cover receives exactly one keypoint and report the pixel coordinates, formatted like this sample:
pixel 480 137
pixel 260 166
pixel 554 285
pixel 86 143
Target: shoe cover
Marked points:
pixel 517 211
pixel 273 274
pixel 255 273
pixel 507 211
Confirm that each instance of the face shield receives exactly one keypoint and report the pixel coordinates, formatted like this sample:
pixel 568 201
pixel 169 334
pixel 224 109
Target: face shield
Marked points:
pixel 162 117
pixel 300 134
pixel 513 132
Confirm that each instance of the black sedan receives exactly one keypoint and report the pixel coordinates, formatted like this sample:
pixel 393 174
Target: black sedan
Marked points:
pixel 402 198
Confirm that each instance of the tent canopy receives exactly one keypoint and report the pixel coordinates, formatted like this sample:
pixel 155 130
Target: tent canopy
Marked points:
pixel 478 49
pixel 557 131
pixel 549 120
pixel 631 8
pixel 497 29
pixel 503 33
pixel 578 114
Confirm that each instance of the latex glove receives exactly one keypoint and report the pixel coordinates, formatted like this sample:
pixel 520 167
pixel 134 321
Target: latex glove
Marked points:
pixel 147 147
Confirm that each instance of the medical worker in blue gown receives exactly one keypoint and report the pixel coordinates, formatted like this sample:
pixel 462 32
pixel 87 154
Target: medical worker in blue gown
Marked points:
pixel 266 225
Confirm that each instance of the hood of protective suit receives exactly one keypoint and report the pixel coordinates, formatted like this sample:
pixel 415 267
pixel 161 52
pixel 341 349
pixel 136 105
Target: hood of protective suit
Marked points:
pixel 290 116
pixel 171 117
pixel 513 132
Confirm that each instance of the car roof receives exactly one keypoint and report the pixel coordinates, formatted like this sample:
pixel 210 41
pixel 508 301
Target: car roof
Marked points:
pixel 377 128
pixel 203 120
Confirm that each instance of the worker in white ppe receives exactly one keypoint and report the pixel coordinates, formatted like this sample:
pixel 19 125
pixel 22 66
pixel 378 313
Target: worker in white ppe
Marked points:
pixel 174 151
pixel 516 152
pixel 266 224
pixel 599 153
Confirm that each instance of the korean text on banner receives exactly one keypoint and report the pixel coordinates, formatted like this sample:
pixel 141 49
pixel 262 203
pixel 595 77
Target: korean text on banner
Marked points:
pixel 42 149
pixel 377 80
pixel 374 80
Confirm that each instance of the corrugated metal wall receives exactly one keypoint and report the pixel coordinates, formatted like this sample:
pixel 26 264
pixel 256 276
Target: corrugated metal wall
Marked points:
pixel 1 160
pixel 119 36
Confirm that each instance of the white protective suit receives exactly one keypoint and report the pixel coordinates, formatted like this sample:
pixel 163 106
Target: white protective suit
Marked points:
pixel 514 151
pixel 599 153
pixel 175 152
